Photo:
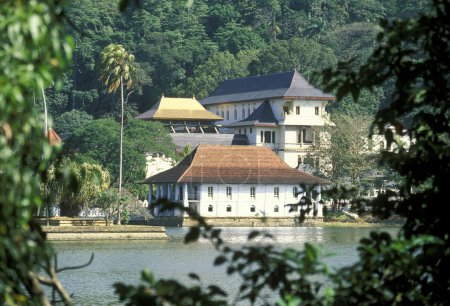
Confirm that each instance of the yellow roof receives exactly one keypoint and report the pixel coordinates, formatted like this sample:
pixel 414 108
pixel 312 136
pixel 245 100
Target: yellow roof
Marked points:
pixel 184 109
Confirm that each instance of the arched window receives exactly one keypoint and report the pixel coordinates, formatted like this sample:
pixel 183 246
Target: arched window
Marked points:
pixel 295 192
pixel 276 209
pixel 252 208
pixel 229 208
pixel 243 113
pixel 276 192
pixel 210 192
pixel 248 111
pixel 235 114
pixel 229 192
pixel 253 192
pixel 210 208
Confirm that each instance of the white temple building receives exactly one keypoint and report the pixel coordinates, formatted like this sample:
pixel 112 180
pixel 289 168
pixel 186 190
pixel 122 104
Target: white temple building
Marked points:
pixel 278 110
pixel 235 181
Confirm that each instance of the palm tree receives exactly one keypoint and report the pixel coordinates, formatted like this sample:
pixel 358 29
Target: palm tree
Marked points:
pixel 117 68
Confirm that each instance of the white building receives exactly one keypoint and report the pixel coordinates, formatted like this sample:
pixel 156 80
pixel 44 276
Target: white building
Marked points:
pixel 235 181
pixel 157 162
pixel 278 110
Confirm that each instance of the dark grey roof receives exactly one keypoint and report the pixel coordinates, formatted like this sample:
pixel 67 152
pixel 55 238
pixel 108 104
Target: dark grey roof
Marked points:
pixel 263 115
pixel 277 85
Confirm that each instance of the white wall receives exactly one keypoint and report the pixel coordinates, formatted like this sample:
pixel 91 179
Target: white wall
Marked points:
pixel 230 107
pixel 241 201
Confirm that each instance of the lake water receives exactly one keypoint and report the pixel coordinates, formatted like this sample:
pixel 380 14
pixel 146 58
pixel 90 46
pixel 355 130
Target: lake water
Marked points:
pixel 122 261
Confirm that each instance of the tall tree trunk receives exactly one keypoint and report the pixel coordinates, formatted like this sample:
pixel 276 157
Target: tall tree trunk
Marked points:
pixel 121 148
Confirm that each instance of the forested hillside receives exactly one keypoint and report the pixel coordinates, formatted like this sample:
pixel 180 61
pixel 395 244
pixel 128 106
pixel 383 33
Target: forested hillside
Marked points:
pixel 186 48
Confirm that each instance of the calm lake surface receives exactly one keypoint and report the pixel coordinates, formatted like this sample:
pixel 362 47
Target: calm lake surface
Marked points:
pixel 122 261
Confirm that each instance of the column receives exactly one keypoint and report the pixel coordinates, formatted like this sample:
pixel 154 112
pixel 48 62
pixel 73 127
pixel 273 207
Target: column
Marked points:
pixel 282 137
pixel 177 192
pixel 157 197
pixel 169 192
pixel 319 202
pixel 158 192
pixel 150 197
pixel 301 137
pixel 319 192
pixel 185 196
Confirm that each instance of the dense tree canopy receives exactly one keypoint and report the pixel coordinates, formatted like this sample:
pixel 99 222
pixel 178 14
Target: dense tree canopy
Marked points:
pixel 176 42
pixel 99 140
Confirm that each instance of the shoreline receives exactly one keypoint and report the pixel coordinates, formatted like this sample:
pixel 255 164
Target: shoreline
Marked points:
pixel 270 222
pixel 82 231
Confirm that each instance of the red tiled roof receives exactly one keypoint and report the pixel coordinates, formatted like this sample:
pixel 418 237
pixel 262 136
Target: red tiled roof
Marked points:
pixel 52 137
pixel 234 165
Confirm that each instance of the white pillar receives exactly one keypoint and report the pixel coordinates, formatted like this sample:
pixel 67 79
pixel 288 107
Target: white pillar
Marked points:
pixel 177 192
pixel 169 192
pixel 319 193
pixel 150 195
pixel 185 195
pixel 157 197
pixel 319 204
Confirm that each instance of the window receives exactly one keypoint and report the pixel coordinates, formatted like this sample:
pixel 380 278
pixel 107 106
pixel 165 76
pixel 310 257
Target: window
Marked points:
pixel 229 191
pixel 316 110
pixel 229 208
pixel 276 209
pixel 217 112
pixel 248 111
pixel 295 192
pixel 235 114
pixel 276 192
pixel 245 131
pixel 267 137
pixel 252 208
pixel 251 131
pixel 252 192
pixel 262 137
pixel 297 110
pixel 228 115
pixel 210 208
pixel 273 137
pixel 243 113
pixel 210 192
pixel 239 131
pixel 222 114
pixel 286 110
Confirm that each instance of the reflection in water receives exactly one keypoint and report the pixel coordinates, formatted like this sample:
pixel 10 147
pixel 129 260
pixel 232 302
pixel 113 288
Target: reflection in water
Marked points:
pixel 122 261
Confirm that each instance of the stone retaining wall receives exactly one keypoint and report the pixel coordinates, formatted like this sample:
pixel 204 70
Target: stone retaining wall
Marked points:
pixel 114 232
pixel 65 221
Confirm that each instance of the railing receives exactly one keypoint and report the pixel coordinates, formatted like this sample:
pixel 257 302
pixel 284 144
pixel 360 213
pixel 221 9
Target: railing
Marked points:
pixel 193 197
